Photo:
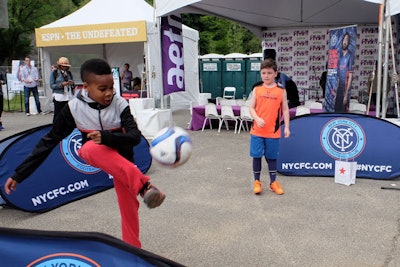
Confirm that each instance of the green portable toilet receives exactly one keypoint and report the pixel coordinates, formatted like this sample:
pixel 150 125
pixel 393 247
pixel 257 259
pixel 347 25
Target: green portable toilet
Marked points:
pixel 211 74
pixel 234 73
pixel 253 63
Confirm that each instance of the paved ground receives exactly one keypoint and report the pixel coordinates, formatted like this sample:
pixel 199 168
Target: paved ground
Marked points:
pixel 211 217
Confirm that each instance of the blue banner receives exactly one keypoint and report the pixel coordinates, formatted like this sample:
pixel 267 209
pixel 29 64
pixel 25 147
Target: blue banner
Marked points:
pixel 317 140
pixel 62 178
pixel 33 248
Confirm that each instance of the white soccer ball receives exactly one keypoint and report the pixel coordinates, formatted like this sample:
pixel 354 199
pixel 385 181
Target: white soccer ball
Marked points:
pixel 171 146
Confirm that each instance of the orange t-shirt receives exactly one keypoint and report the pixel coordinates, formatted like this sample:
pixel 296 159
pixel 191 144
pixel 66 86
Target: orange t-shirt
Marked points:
pixel 268 106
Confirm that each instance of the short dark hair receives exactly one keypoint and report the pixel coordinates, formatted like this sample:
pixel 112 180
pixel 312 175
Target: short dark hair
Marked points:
pixel 96 66
pixel 269 63
pixel 127 64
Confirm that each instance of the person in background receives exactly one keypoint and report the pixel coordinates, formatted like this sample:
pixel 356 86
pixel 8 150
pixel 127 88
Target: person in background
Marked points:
pixel 137 83
pixel 109 133
pixel 126 77
pixel 345 76
pixel 322 80
pixel 3 80
pixel 62 84
pixel 30 77
pixel 268 103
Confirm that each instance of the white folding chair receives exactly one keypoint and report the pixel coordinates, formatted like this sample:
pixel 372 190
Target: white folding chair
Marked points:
pixel 245 118
pixel 358 108
pixel 308 103
pixel 191 103
pixel 226 116
pixel 227 102
pixel 302 110
pixel 316 105
pixel 240 102
pixel 229 92
pixel 211 113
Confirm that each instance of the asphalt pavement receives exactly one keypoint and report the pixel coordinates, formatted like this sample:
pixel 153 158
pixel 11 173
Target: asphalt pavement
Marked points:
pixel 212 218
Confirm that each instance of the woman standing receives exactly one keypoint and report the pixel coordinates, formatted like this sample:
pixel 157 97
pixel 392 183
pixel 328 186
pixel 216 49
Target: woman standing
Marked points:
pixel 62 84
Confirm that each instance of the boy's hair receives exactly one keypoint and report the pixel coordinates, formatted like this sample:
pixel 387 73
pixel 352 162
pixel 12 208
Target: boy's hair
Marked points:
pixel 95 66
pixel 269 63
pixel 127 64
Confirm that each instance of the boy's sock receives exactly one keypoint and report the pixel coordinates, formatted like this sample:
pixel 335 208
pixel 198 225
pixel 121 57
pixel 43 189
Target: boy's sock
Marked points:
pixel 256 168
pixel 272 169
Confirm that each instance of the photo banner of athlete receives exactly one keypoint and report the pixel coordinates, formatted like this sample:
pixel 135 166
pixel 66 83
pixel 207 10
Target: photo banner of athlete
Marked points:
pixel 341 57
pixel 62 178
pixel 317 140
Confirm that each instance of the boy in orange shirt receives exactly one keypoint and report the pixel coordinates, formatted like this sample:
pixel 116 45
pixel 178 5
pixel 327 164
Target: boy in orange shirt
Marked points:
pixel 268 104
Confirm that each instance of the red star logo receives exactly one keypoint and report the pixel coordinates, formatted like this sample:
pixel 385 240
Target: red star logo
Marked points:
pixel 342 170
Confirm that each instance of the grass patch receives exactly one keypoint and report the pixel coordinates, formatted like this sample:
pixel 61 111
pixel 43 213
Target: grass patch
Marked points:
pixel 14 104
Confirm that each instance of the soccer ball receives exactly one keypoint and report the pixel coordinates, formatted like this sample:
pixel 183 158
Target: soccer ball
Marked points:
pixel 171 147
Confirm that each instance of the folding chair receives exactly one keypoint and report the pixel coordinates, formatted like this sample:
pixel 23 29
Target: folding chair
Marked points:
pixel 229 93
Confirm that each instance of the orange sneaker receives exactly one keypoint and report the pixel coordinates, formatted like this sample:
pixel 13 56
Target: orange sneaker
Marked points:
pixel 257 187
pixel 277 188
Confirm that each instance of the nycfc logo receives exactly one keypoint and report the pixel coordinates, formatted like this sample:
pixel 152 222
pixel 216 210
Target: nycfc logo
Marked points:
pixel 69 150
pixel 64 259
pixel 342 138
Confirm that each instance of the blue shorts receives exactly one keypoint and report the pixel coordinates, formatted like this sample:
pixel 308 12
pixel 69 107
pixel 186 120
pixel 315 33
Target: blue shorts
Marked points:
pixel 261 146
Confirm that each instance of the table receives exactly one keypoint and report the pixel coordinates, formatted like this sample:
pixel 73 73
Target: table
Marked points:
pixel 151 121
pixel 203 98
pixel 136 104
pixel 198 116
pixel 292 112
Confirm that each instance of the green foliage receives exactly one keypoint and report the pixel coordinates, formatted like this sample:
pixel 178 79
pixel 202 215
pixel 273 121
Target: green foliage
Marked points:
pixel 24 17
pixel 222 36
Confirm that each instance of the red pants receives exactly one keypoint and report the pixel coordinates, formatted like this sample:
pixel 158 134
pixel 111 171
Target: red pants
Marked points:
pixel 128 181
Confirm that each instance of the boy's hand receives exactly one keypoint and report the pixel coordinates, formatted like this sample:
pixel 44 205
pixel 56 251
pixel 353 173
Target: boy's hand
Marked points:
pixel 95 136
pixel 10 185
pixel 260 122
pixel 286 132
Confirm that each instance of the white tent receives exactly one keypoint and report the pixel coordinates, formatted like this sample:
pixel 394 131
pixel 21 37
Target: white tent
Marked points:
pixel 262 15
pixel 121 31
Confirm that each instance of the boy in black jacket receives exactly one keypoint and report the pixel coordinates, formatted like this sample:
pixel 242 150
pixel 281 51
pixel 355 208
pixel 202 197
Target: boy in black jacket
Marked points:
pixel 109 133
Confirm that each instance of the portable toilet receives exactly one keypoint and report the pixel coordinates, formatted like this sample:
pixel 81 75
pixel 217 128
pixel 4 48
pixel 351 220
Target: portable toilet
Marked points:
pixel 211 74
pixel 234 73
pixel 253 63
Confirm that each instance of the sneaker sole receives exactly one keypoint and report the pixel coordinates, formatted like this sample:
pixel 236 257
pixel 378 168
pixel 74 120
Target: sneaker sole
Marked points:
pixel 276 192
pixel 257 193
pixel 154 200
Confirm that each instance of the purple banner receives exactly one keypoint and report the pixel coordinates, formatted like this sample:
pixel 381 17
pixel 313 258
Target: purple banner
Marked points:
pixel 172 54
pixel 342 48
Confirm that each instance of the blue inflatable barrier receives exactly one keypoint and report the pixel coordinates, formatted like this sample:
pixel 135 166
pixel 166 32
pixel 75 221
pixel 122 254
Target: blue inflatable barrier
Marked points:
pixel 34 248
pixel 318 140
pixel 62 178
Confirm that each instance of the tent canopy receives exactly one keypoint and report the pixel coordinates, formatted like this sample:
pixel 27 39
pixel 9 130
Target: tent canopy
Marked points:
pixel 122 31
pixel 102 12
pixel 259 15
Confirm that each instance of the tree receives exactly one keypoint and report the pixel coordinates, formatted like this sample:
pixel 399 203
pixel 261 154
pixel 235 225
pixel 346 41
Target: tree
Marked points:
pixel 24 17
pixel 222 36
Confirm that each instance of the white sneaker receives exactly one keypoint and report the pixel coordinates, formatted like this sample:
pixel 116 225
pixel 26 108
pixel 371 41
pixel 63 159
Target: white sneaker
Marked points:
pixel 27 114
